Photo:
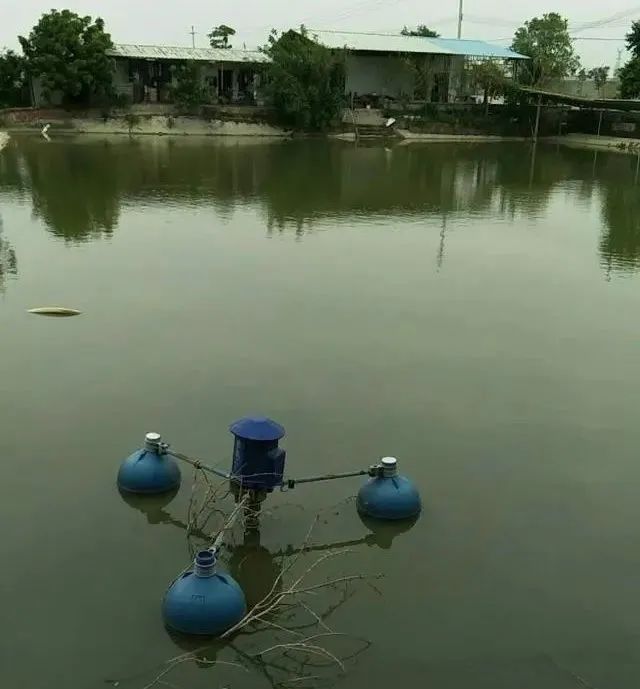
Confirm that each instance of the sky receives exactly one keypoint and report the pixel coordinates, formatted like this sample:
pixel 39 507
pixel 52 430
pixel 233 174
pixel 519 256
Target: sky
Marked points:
pixel 170 23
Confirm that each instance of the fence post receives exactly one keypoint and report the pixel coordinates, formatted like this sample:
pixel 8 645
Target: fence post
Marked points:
pixel 600 123
pixel 537 127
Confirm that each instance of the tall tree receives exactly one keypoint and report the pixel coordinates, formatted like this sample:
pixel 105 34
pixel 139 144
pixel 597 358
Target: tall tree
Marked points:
pixel 305 80
pixel 630 79
pixel 420 30
pixel 547 42
pixel 69 54
pixel 633 39
pixel 599 76
pixel 630 74
pixel 12 79
pixel 582 76
pixel 219 36
pixel 490 76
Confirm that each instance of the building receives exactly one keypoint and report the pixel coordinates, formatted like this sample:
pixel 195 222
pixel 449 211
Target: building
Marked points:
pixel 145 73
pixel 378 66
pixel 411 67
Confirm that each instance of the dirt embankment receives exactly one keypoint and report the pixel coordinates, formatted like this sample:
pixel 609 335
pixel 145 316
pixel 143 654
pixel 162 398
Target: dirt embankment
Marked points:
pixel 135 122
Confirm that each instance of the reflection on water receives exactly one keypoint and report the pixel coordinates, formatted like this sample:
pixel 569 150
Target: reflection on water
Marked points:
pixel 260 572
pixel 446 304
pixel 250 562
pixel 620 245
pixel 8 260
pixel 79 187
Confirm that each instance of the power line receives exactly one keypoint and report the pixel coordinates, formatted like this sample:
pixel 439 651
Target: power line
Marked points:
pixel 597 23
pixel 573 38
pixel 492 21
pixel 365 6
pixel 597 38
pixel 618 19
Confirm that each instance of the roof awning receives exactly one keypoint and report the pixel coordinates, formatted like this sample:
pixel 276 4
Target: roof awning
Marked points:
pixel 397 43
pixel 161 52
pixel 580 102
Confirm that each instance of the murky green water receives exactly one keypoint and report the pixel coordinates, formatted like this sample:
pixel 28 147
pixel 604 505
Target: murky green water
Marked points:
pixel 468 309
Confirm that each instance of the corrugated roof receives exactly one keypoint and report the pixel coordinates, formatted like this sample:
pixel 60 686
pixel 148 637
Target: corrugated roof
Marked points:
pixel 396 43
pixel 476 48
pixel 163 52
pixel 628 105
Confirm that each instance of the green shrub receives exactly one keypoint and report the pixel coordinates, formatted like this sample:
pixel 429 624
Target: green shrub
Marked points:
pixel 188 91
pixel 305 81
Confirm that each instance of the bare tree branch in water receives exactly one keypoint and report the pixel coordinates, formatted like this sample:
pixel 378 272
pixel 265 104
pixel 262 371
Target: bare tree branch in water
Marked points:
pixel 298 650
pixel 203 508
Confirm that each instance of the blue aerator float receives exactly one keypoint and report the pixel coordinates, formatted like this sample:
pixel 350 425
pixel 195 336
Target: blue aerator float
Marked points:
pixel 204 601
pixel 149 470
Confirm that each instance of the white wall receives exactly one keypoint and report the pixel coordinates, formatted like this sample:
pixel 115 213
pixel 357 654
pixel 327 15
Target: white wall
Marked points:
pixel 382 75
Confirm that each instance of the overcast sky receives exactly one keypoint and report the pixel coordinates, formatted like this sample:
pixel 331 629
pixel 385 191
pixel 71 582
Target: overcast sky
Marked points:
pixel 154 21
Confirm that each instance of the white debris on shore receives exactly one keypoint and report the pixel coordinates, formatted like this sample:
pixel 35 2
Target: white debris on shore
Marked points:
pixel 4 140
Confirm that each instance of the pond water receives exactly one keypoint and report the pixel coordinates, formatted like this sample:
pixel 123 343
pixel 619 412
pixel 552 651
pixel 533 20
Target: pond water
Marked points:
pixel 472 310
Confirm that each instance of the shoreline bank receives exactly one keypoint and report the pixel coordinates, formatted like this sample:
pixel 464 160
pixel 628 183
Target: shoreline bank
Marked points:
pixel 592 141
pixel 411 137
pixel 167 126
pixel 153 125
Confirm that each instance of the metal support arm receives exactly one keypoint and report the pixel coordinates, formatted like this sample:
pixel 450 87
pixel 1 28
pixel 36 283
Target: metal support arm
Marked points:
pixel 371 471
pixel 198 464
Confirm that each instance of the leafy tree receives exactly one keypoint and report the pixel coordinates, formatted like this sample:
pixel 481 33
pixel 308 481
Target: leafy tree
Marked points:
pixel 599 76
pixel 633 39
pixel 490 76
pixel 188 90
pixel 12 79
pixel 420 30
pixel 69 54
pixel 547 42
pixel 630 79
pixel 305 80
pixel 219 36
pixel 629 75
pixel 582 75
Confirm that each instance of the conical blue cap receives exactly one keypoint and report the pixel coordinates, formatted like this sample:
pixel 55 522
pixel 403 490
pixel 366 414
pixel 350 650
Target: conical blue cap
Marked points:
pixel 257 428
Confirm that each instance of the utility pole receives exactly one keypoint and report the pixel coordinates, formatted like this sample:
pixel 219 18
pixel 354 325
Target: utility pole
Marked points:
pixel 460 16
pixel 193 36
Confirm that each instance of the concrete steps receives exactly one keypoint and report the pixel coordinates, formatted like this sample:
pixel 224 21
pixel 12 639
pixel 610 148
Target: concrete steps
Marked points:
pixel 376 131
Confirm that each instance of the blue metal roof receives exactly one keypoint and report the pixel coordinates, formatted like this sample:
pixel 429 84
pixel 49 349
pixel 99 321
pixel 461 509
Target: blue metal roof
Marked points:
pixel 396 43
pixel 472 48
